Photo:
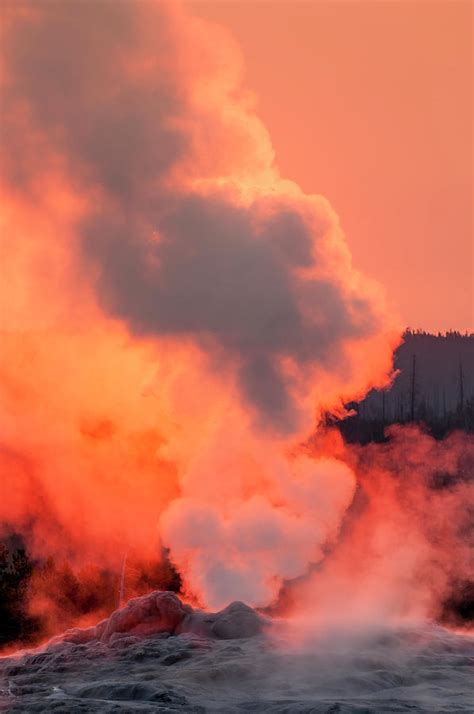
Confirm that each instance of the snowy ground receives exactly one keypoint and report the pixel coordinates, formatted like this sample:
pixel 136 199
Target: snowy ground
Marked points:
pixel 423 669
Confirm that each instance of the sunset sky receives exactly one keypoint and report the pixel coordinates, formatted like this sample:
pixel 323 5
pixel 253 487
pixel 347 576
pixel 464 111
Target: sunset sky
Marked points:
pixel 370 104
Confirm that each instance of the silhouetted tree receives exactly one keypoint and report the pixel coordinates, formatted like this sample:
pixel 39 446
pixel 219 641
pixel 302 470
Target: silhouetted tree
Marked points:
pixel 15 572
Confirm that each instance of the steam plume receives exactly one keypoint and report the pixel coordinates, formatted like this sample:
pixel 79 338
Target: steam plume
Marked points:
pixel 176 314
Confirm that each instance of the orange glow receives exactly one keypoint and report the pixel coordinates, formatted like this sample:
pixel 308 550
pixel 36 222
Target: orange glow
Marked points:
pixel 405 542
pixel 176 315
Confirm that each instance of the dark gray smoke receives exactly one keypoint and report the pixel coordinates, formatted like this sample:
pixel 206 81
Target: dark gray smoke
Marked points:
pixel 103 88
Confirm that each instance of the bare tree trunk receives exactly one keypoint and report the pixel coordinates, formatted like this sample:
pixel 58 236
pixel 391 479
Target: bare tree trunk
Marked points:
pixel 413 388
pixel 461 388
pixel 461 395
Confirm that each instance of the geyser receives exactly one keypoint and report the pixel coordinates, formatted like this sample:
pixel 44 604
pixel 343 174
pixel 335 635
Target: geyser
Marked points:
pixel 176 317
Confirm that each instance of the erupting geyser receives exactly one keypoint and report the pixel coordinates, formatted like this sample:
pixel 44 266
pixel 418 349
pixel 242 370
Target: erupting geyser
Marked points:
pixel 175 315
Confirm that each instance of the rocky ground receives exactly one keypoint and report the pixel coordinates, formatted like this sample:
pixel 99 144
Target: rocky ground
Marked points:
pixel 157 655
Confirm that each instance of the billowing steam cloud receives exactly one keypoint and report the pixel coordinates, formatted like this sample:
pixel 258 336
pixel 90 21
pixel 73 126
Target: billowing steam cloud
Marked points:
pixel 244 547
pixel 177 313
pixel 262 283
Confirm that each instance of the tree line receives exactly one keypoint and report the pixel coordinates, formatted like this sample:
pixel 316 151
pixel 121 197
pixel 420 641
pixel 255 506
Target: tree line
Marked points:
pixel 433 386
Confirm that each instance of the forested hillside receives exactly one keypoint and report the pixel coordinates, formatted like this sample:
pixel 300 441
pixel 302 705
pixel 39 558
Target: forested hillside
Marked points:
pixel 434 385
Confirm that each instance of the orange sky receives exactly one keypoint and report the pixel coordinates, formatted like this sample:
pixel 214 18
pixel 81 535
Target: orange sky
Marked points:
pixel 370 104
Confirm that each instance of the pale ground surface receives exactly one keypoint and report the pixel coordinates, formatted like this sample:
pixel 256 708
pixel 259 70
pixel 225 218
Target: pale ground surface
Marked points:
pixel 422 669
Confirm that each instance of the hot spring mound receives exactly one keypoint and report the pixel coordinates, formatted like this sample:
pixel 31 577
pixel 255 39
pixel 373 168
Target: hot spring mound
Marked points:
pixel 163 612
